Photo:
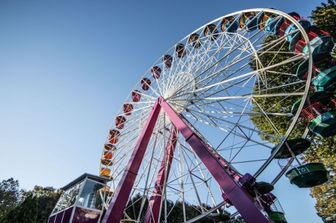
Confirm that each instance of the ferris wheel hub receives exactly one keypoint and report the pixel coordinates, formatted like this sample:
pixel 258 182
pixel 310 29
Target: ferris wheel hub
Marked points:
pixel 178 93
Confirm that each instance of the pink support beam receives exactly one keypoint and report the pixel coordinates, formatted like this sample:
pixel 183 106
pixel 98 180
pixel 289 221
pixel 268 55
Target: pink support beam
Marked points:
pixel 154 205
pixel 121 195
pixel 225 177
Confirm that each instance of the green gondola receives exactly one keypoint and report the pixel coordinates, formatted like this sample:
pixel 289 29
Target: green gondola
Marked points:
pixel 325 80
pixel 263 187
pixel 298 146
pixel 324 125
pixel 277 216
pixel 302 70
pixel 320 46
pixel 319 96
pixel 308 175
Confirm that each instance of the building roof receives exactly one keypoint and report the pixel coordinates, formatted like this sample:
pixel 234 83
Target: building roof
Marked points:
pixel 82 177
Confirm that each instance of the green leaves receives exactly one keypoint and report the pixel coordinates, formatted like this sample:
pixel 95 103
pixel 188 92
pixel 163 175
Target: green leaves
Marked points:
pixel 323 149
pixel 35 207
pixel 9 195
pixel 324 16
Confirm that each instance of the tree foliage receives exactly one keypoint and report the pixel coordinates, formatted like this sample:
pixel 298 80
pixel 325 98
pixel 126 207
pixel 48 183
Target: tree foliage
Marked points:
pixel 175 211
pixel 35 207
pixel 9 195
pixel 322 149
pixel 269 83
pixel 324 16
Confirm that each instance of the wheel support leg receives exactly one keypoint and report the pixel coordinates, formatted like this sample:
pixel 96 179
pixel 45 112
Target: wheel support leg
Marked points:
pixel 115 211
pixel 217 166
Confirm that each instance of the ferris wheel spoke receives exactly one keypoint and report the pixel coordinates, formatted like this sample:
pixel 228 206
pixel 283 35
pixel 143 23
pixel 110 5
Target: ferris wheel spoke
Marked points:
pixel 298 57
pixel 150 97
pixel 206 51
pixel 249 114
pixel 136 110
pixel 205 180
pixel 145 192
pixel 181 183
pixel 203 52
pixel 244 137
pixel 249 161
pixel 193 182
pixel 279 75
pixel 210 58
pixel 283 86
pixel 206 55
pixel 234 60
pixel 214 64
pixel 267 117
pixel 128 146
pixel 234 124
pixel 236 154
pixel 276 54
pixel 246 41
pixel 224 69
pixel 235 147
pixel 250 96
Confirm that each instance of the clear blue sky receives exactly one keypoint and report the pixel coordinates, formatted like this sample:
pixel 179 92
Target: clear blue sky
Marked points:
pixel 66 67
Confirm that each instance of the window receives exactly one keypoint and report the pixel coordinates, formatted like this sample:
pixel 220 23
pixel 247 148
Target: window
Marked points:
pixel 68 198
pixel 90 197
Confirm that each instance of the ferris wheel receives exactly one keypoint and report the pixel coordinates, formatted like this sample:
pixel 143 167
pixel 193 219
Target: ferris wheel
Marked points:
pixel 209 124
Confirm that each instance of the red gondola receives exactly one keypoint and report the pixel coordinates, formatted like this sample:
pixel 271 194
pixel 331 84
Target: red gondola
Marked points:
pixel 120 122
pixel 156 72
pixel 180 50
pixel 107 155
pixel 229 24
pixel 211 31
pixel 128 108
pixel 244 17
pixel 167 60
pixel 145 84
pixel 136 96
pixel 313 110
pixel 109 147
pixel 287 23
pixel 262 18
pixel 114 136
pixel 194 40
pixel 312 32
pixel 106 162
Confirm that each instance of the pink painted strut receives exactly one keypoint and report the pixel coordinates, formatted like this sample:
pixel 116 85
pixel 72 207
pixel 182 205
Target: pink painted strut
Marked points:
pixel 119 201
pixel 225 176
pixel 154 205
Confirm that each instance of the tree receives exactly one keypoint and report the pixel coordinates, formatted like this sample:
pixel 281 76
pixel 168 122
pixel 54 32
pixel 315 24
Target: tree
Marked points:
pixel 322 149
pixel 175 211
pixel 324 16
pixel 325 194
pixel 9 195
pixel 35 208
